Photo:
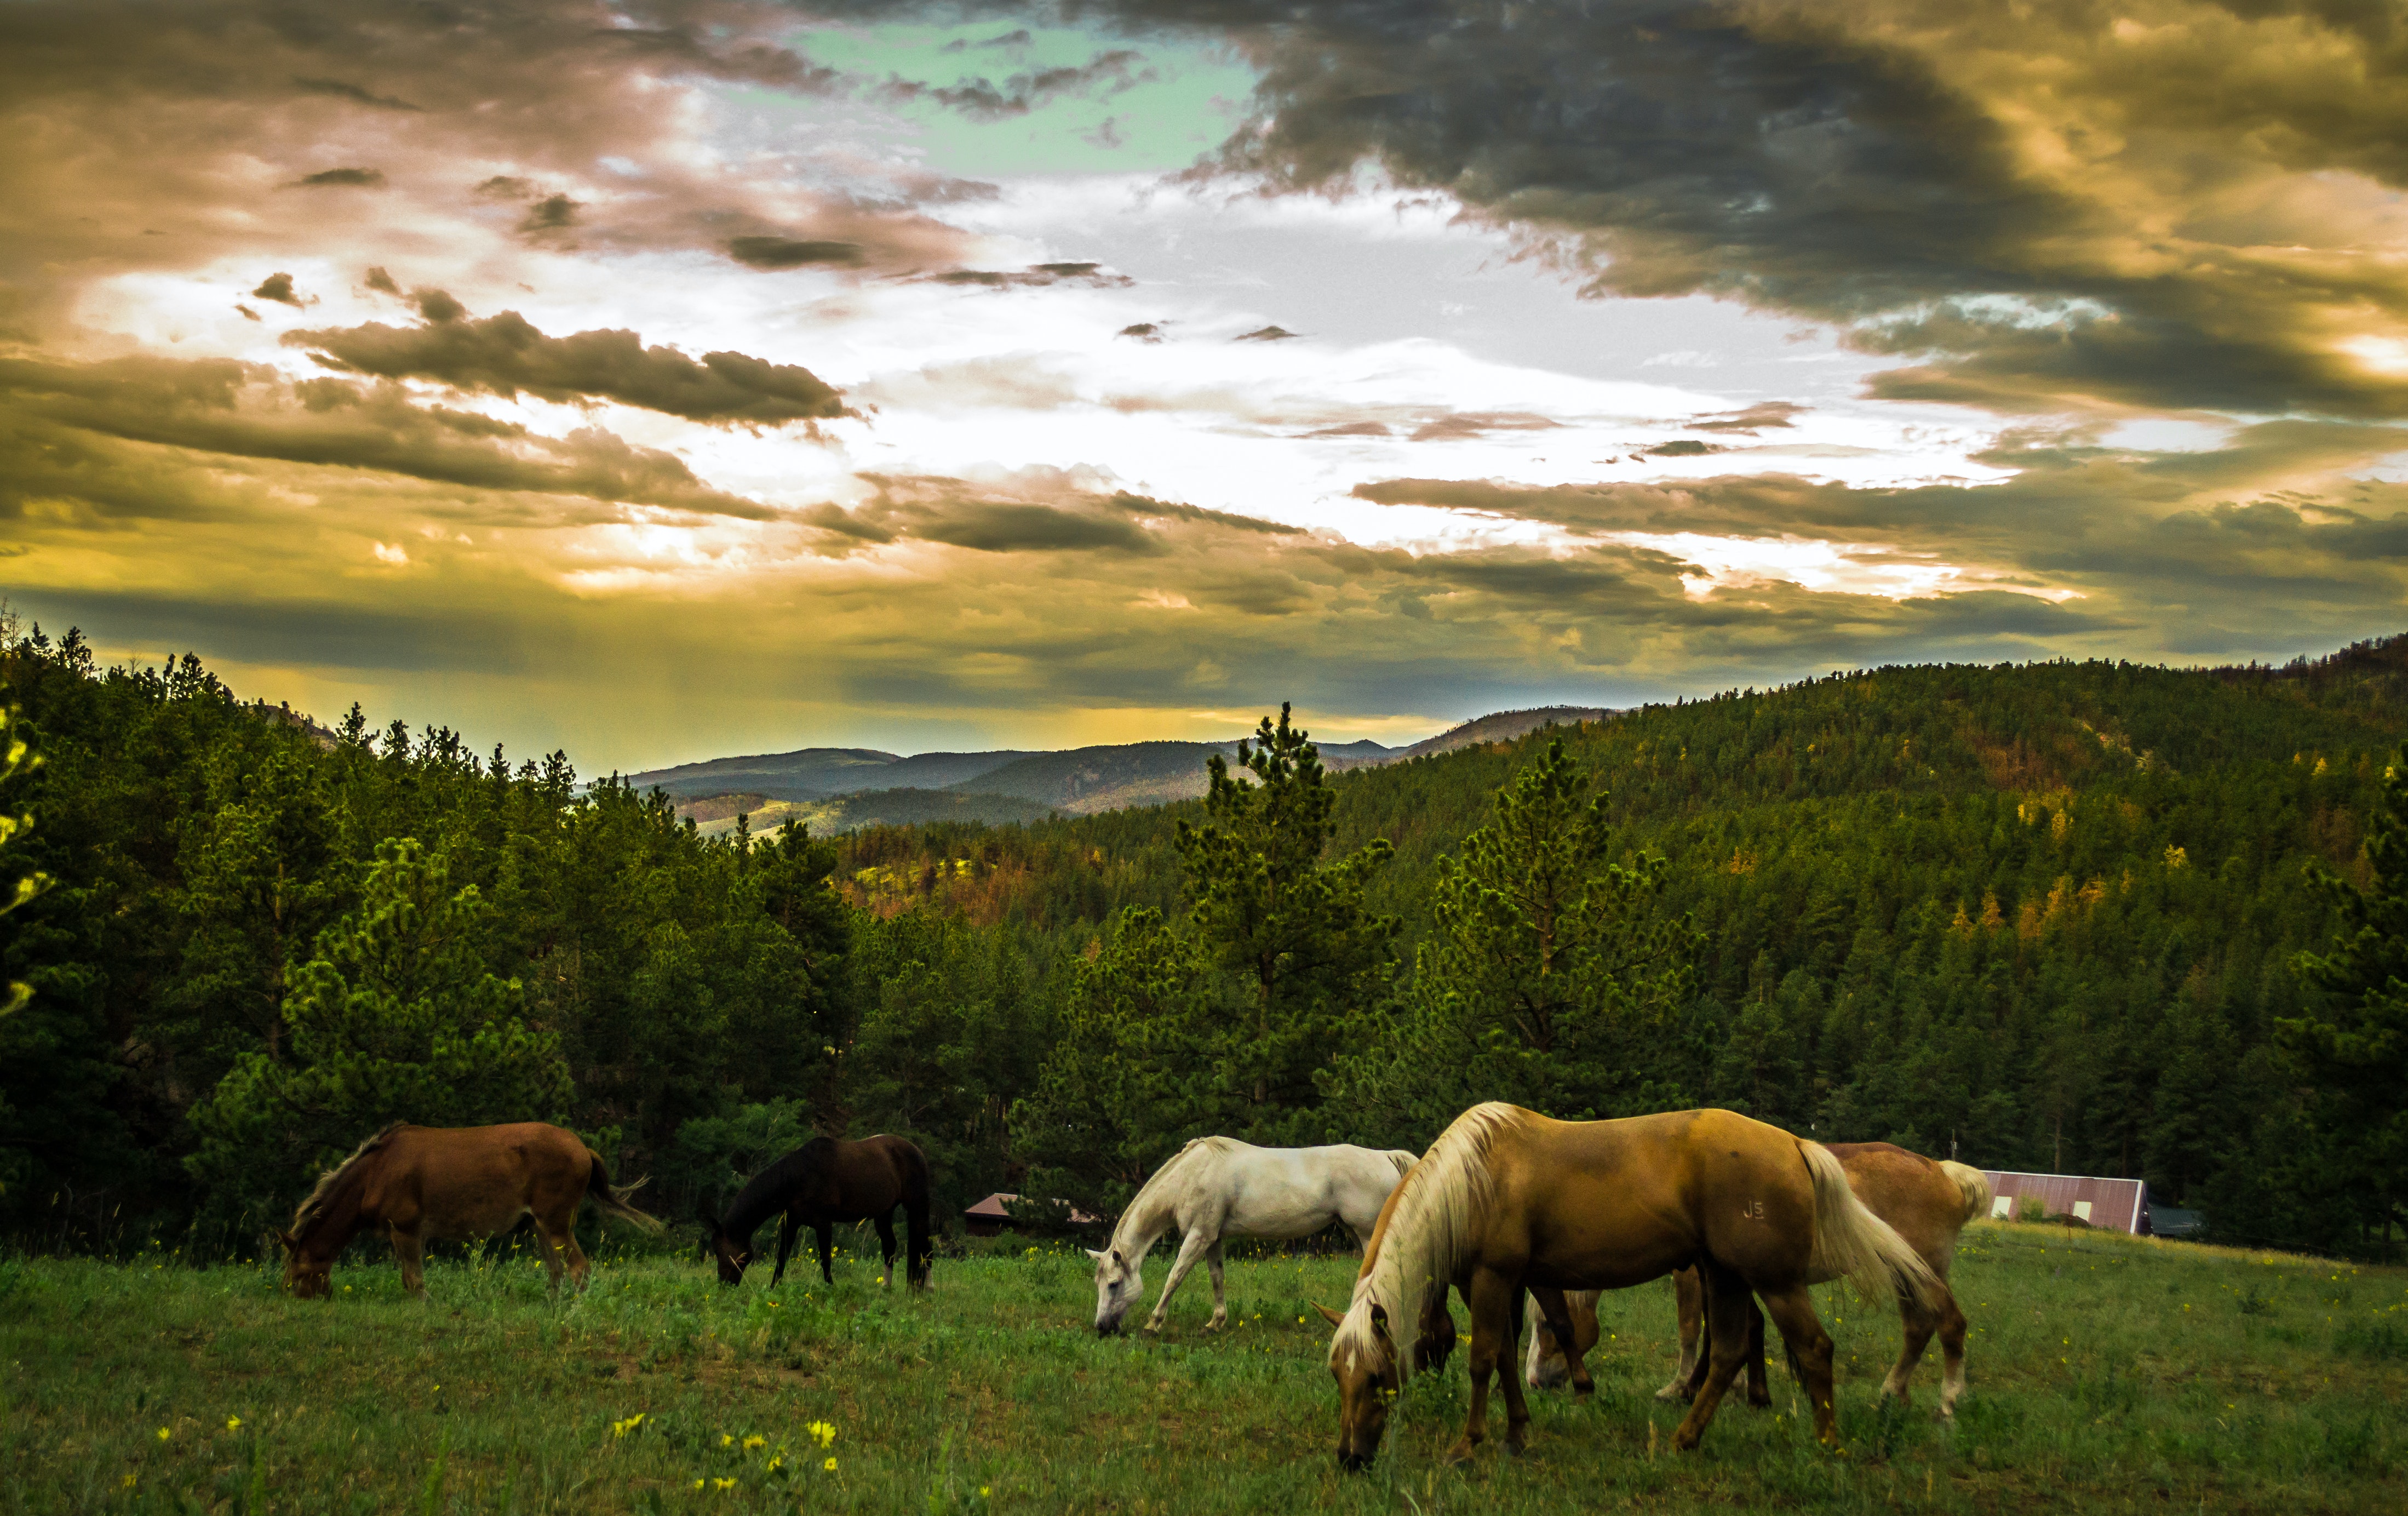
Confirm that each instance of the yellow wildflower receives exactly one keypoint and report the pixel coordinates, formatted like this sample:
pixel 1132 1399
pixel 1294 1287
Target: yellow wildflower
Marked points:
pixel 727 1439
pixel 129 1481
pixel 722 1484
pixel 822 1431
pixel 829 1465
pixel 163 1434
pixel 752 1442
pixel 697 1484
pixel 233 1422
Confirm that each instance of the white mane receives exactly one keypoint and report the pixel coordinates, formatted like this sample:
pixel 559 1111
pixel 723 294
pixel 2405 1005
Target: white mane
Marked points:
pixel 1430 1225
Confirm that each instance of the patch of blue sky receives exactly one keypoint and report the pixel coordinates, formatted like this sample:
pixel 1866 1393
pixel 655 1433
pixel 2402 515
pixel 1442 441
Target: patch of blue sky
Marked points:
pixel 1000 102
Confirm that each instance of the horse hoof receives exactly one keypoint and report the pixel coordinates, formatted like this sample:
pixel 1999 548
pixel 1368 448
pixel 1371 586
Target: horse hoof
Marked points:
pixel 1584 1388
pixel 1673 1391
pixel 1458 1455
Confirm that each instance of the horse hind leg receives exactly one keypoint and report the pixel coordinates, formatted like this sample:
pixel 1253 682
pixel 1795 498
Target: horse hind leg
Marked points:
pixel 1952 1352
pixel 560 1248
pixel 1810 1354
pixel 1725 1297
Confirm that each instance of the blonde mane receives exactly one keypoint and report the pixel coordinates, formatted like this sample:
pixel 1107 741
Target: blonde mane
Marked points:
pixel 1430 1224
pixel 331 1182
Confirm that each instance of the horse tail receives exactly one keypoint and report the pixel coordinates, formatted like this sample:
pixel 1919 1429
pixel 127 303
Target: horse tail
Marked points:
pixel 597 1189
pixel 1973 1184
pixel 1854 1243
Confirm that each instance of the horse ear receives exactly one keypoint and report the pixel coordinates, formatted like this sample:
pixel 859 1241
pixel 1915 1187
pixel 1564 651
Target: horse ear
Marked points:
pixel 1380 1320
pixel 1095 1253
pixel 1333 1317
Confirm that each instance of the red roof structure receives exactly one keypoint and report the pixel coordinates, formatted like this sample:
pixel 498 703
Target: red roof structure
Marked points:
pixel 989 1217
pixel 2120 1204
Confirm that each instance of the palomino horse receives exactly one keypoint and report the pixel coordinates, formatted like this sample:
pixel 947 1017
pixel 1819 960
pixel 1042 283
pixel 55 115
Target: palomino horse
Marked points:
pixel 1506 1198
pixel 825 1181
pixel 1216 1188
pixel 456 1183
pixel 1927 1201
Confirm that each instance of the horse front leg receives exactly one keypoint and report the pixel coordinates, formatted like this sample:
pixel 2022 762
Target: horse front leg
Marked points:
pixel 1689 1300
pixel 1191 1247
pixel 1220 1295
pixel 410 1250
pixel 826 1238
pixel 1556 1315
pixel 1491 1297
pixel 787 1227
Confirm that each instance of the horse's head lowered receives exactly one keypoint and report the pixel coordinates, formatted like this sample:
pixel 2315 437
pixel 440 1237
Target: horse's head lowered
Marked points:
pixel 732 1252
pixel 1119 1283
pixel 1362 1361
pixel 307 1269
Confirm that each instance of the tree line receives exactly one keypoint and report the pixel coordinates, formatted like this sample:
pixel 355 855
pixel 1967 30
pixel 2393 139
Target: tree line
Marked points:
pixel 2081 918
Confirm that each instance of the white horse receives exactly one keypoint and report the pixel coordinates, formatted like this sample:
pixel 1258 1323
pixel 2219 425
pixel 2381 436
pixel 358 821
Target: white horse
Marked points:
pixel 1219 1187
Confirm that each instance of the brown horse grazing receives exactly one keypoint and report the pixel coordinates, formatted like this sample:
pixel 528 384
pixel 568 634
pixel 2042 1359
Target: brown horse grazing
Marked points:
pixel 1927 1201
pixel 1508 1198
pixel 413 1183
pixel 818 1184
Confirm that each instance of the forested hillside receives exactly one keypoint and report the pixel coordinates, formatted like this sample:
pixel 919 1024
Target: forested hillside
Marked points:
pixel 2050 914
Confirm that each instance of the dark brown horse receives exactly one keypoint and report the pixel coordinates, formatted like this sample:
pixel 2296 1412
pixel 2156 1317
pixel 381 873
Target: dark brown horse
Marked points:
pixel 1507 1200
pixel 413 1183
pixel 825 1181
pixel 1929 1201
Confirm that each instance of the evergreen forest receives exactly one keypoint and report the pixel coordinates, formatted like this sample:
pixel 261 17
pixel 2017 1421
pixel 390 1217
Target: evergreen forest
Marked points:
pixel 2076 917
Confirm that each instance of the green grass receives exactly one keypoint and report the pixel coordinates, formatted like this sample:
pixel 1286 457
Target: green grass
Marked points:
pixel 2107 1374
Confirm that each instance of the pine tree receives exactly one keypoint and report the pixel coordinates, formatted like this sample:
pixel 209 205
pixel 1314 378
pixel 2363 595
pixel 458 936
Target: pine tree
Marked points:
pixel 1549 978
pixel 1291 931
pixel 395 1019
pixel 2354 1041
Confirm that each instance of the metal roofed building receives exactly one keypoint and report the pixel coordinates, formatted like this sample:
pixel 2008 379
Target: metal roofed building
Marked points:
pixel 2120 1204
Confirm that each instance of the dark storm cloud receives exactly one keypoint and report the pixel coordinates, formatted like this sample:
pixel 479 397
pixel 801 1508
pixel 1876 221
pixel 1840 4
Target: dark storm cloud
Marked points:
pixel 136 119
pixel 1769 413
pixel 981 99
pixel 550 214
pixel 772 254
pixel 1036 276
pixel 366 179
pixel 2048 207
pixel 1466 426
pixel 245 410
pixel 507 355
pixel 380 281
pixel 353 92
pixel 278 287
pixel 1040 511
pixel 1266 333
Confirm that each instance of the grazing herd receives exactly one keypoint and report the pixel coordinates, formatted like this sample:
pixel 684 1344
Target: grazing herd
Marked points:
pixel 1506 1204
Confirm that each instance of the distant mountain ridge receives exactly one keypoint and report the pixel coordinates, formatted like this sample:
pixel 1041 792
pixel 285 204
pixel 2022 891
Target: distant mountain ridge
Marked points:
pixel 1006 784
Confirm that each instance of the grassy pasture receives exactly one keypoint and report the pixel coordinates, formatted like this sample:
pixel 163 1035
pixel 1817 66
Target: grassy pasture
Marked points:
pixel 2107 1374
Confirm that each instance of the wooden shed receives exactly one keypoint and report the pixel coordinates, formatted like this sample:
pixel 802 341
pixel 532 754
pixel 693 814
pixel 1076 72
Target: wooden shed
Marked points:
pixel 2120 1204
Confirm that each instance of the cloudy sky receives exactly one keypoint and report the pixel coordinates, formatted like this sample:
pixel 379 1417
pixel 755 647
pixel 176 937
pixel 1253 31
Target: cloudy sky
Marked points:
pixel 665 379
